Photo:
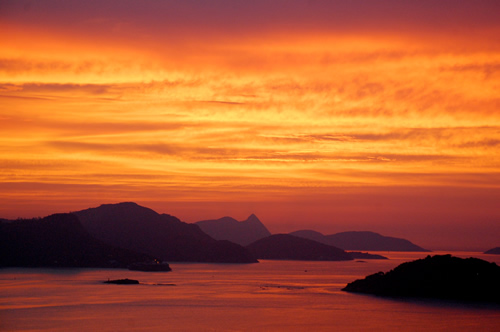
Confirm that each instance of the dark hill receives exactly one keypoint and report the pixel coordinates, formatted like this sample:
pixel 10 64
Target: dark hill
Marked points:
pixel 440 277
pixel 311 235
pixel 241 232
pixel 130 226
pixel 58 240
pixel 366 241
pixel 494 251
pixel 288 247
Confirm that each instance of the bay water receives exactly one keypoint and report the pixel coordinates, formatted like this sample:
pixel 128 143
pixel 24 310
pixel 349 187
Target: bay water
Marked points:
pixel 268 296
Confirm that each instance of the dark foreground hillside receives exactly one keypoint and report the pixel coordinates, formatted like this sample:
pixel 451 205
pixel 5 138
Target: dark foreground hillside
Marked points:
pixel 58 240
pixel 440 277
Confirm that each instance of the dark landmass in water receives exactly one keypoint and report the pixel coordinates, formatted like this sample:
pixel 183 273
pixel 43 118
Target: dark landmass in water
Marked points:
pixel 437 277
pixel 364 255
pixel 59 240
pixel 122 282
pixel 289 247
pixel 240 232
pixel 364 241
pixel 133 227
pixel 494 251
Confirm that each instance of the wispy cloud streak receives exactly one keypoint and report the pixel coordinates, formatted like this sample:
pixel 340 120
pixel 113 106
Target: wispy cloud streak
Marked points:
pixel 257 101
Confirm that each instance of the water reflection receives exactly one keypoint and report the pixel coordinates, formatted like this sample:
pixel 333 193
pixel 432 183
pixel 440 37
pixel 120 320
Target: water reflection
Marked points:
pixel 271 295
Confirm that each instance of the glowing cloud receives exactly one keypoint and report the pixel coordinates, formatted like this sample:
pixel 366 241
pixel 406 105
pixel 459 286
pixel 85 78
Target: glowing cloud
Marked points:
pixel 252 107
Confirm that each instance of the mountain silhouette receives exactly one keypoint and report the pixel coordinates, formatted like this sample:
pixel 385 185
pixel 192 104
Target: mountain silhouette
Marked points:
pixel 366 241
pixel 289 247
pixel 58 240
pixel 441 277
pixel 241 232
pixel 494 251
pixel 134 227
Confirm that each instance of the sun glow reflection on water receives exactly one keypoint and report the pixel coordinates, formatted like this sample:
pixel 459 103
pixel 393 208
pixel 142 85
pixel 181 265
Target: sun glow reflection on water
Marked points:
pixel 271 295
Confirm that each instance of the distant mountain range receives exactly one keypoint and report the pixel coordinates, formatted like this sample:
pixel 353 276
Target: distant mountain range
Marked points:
pixel 137 228
pixel 58 240
pixel 494 251
pixel 241 232
pixel 116 235
pixel 365 241
pixel 252 229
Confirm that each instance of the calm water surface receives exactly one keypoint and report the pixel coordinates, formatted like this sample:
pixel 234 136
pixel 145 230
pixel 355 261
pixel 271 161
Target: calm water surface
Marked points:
pixel 269 296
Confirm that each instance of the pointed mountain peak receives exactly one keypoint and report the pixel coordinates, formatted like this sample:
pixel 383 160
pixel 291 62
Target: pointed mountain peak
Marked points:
pixel 253 218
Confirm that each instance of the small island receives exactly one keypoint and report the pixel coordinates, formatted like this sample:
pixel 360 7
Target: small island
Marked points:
pixel 437 277
pixel 122 282
pixel 365 255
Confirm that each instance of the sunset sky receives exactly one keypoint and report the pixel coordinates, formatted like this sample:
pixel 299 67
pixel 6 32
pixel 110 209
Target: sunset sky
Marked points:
pixel 325 115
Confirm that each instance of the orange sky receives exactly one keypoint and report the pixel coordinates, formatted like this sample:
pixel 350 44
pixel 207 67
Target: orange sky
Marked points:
pixel 329 115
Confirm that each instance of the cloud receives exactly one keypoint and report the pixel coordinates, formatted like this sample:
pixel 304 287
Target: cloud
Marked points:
pixel 51 88
pixel 223 153
pixel 488 69
pixel 485 143
pixel 302 103
pixel 116 18
pixel 308 137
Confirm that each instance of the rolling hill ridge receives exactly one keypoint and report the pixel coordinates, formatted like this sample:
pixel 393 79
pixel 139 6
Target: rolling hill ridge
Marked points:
pixel 365 241
pixel 134 227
